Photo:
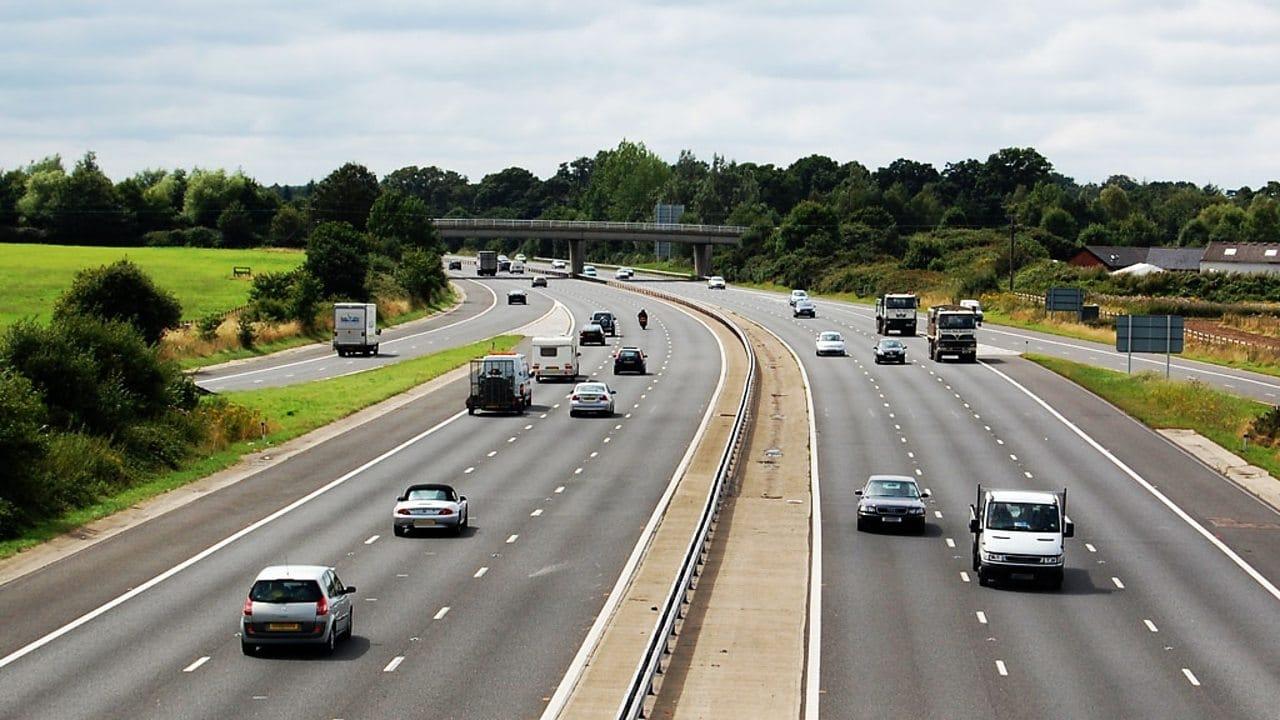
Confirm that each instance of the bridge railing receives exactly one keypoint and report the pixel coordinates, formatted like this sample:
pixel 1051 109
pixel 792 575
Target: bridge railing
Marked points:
pixel 587 225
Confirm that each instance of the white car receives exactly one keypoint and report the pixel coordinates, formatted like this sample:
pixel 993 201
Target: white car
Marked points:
pixel 428 507
pixel 591 397
pixel 975 306
pixel 715 282
pixel 589 270
pixel 796 296
pixel 558 265
pixel 804 308
pixel 830 343
pixel 621 274
pixel 521 258
pixel 630 271
pixel 517 268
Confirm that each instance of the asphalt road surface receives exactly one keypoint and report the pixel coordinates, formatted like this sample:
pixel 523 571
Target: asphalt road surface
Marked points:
pixel 1167 606
pixel 484 314
pixel 481 626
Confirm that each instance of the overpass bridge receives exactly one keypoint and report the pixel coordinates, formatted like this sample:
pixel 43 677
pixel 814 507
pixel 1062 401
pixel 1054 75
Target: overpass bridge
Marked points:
pixel 579 232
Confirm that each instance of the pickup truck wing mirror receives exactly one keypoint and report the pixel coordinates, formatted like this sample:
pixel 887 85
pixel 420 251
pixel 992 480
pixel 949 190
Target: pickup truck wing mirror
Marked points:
pixel 857 492
pixel 1068 529
pixel 349 590
pixel 924 494
pixel 974 525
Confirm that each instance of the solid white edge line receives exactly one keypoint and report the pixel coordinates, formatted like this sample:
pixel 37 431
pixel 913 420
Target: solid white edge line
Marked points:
pixel 247 373
pixel 574 673
pixel 813 641
pixel 135 592
pixel 192 667
pixel 1240 562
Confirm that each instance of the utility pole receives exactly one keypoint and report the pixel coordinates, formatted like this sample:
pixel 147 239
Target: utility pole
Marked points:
pixel 1012 226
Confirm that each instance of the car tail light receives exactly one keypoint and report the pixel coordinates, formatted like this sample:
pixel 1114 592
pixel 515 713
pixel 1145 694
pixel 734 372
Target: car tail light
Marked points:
pixel 403 511
pixel 248 607
pixel 322 606
pixel 445 511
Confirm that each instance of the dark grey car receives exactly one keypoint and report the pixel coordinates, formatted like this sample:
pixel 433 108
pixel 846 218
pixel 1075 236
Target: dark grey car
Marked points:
pixel 891 350
pixel 891 501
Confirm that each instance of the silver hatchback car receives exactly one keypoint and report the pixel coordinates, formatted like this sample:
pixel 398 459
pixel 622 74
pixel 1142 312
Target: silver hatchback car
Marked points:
pixel 296 605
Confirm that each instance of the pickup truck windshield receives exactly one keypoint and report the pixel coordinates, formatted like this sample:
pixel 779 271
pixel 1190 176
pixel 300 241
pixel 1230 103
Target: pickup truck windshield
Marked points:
pixel 900 303
pixel 1024 517
pixel 956 322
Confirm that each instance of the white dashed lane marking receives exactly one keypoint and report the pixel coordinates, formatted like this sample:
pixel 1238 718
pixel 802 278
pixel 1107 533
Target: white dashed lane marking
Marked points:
pixel 1000 668
pixel 193 666
pixel 1191 677
pixel 395 663
pixel 512 539
pixel 1150 625
pixel 373 539
pixel 442 612
pixel 480 573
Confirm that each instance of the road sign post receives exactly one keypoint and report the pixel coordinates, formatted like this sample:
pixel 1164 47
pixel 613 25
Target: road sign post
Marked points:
pixel 1150 334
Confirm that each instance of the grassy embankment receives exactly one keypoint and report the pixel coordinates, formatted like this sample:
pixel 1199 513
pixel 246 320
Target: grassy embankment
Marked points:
pixel 290 412
pixel 1160 403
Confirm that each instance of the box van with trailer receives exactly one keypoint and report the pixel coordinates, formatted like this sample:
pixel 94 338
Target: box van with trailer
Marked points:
pixel 355 328
pixel 500 382
pixel 555 357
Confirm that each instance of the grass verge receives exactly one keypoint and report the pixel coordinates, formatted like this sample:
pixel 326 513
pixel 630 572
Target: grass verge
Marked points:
pixel 1162 404
pixel 291 411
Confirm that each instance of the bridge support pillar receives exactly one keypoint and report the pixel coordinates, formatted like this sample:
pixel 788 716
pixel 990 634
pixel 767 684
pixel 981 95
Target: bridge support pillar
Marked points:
pixel 702 260
pixel 577 256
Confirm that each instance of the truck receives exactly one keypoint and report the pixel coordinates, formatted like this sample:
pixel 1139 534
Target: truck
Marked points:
pixel 896 311
pixel 355 328
pixel 500 382
pixel 1020 533
pixel 486 262
pixel 951 330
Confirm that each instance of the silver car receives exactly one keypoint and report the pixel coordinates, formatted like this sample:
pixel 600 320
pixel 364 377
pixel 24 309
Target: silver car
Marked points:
pixel 296 605
pixel 591 397
pixel 427 507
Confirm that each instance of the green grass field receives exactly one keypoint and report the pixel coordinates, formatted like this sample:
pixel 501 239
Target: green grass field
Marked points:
pixel 292 411
pixel 33 276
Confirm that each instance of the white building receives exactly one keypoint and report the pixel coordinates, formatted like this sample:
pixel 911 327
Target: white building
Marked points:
pixel 1241 258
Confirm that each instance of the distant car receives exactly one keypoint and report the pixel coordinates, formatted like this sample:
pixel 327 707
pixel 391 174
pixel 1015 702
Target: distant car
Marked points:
pixel 521 258
pixel 629 359
pixel 605 320
pixel 591 334
pixel 975 306
pixel 804 308
pixel 591 397
pixel 715 282
pixel 830 343
pixel 296 605
pixel 630 271
pixel 891 501
pixel 455 264
pixel 796 296
pixel 558 265
pixel 504 265
pixel 517 268
pixel 589 270
pixel 501 258
pixel 428 507
pixel 891 350
pixel 621 274
pixel 539 281
pixel 517 297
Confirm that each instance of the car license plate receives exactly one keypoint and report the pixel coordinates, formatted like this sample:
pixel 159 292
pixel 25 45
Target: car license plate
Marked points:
pixel 424 523
pixel 891 519
pixel 284 627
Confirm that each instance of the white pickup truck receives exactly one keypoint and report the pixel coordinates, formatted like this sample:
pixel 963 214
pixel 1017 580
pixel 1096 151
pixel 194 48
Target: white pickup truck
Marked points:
pixel 1020 533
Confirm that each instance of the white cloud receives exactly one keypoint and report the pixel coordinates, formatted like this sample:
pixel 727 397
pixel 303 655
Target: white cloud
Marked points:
pixel 1179 90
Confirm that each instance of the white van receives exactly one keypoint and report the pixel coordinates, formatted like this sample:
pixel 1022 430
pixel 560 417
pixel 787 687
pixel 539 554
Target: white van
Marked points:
pixel 355 328
pixel 555 356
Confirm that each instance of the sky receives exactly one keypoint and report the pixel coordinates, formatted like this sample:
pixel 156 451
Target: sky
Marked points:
pixel 288 91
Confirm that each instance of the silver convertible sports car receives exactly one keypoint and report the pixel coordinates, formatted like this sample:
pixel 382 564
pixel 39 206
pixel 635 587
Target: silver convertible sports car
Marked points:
pixel 428 507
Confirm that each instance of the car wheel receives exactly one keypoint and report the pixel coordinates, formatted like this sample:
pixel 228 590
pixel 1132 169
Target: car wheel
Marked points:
pixel 573 413
pixel 248 649
pixel 351 625
pixel 466 520
pixel 1054 580
pixel 984 577
pixel 862 525
pixel 331 644
pixel 397 530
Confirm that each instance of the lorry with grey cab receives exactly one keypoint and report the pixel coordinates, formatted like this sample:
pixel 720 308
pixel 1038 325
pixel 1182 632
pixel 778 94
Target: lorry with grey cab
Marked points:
pixel 896 311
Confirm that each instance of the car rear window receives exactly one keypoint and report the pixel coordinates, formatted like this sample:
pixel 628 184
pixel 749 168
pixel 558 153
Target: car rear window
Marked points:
pixel 285 591
pixel 629 354
pixel 591 389
pixel 430 494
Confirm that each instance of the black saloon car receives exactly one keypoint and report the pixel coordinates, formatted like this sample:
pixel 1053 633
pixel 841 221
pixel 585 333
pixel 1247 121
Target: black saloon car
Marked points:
pixel 629 359
pixel 891 350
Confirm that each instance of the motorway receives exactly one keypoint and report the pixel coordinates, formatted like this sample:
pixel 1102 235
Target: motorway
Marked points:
pixel 482 626
pixel 1156 619
pixel 483 314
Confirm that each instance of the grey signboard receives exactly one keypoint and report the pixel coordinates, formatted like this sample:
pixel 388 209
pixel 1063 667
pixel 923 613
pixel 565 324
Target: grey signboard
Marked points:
pixel 1149 333
pixel 1064 299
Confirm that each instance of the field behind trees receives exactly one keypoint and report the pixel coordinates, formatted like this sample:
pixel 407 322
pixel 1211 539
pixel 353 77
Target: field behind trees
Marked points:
pixel 201 278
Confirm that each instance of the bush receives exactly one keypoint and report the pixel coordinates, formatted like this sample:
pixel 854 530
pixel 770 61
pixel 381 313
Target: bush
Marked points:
pixel 23 444
pixel 81 469
pixel 244 329
pixel 121 291
pixel 921 252
pixel 421 274
pixel 288 228
pixel 208 325
pixel 338 257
